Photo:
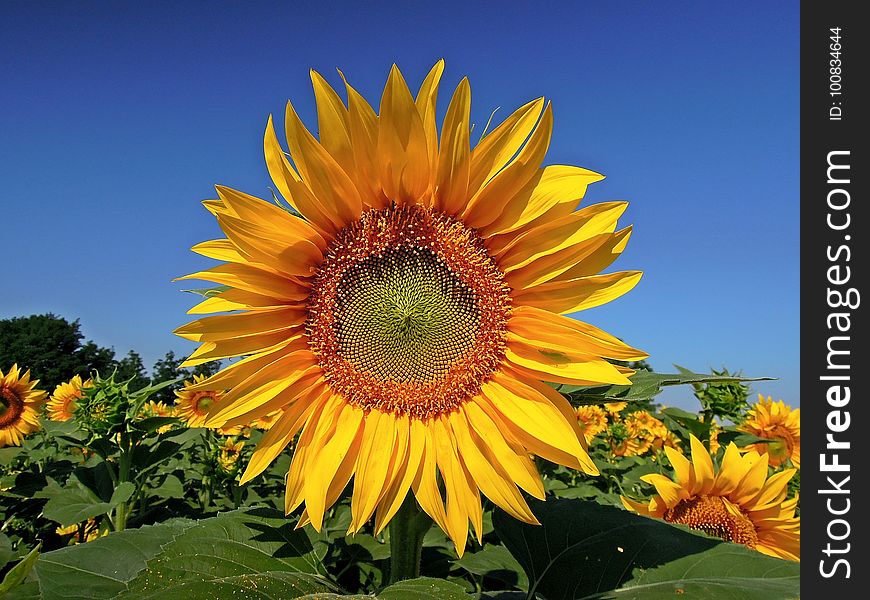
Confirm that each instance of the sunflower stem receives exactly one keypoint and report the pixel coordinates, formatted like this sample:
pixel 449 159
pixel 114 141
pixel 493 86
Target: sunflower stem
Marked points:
pixel 407 530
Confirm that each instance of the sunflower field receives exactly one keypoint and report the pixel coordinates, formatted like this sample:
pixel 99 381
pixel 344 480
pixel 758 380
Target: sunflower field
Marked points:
pixel 395 403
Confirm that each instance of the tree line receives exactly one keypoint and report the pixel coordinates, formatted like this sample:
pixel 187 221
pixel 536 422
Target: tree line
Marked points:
pixel 54 349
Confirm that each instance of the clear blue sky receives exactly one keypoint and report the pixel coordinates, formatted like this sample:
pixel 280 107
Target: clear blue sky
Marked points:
pixel 117 118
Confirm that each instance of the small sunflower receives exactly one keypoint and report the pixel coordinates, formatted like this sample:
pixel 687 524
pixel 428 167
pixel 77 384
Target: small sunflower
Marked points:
pixel 62 402
pixel 627 439
pixel 407 320
pixel 20 405
pixel 159 409
pixel 614 408
pixel 193 403
pixel 778 422
pixel 738 504
pixel 229 453
pixel 592 420
pixel 652 430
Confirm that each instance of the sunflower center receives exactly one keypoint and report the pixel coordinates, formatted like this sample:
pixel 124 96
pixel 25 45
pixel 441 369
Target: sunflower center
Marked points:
pixel 715 516
pixel 408 312
pixel 203 403
pixel 11 406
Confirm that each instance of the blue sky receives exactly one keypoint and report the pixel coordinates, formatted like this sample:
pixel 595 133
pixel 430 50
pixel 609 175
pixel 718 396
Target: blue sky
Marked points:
pixel 117 118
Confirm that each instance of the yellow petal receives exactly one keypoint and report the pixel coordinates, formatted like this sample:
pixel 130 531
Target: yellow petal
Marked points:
pixel 334 433
pixel 588 255
pixel 253 279
pixel 378 441
pixel 671 493
pixel 332 122
pixel 682 467
pixel 425 485
pixel 502 143
pixel 560 187
pixel 732 470
pixel 228 348
pixel 426 102
pixel 562 233
pixel 209 329
pixel 234 299
pixel 702 465
pixel 459 494
pixel 578 294
pixel 501 202
pixel 219 250
pixel 295 257
pixel 557 331
pixel 276 439
pixel 533 415
pixel 364 136
pixel 451 188
pixel 486 471
pixel 322 174
pixel 402 149
pixel 514 459
pixel 562 366
pixel 406 469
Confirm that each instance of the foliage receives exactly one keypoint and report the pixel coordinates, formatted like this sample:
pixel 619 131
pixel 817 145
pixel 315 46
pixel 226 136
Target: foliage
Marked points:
pixel 51 347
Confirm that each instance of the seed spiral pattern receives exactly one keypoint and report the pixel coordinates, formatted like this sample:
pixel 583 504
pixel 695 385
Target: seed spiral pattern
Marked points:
pixel 710 515
pixel 408 312
pixel 11 406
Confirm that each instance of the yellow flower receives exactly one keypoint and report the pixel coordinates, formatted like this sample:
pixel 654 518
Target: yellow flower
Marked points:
pixel 775 421
pixel 20 405
pixel 406 322
pixel 714 438
pixel 614 408
pixel 738 504
pixel 159 409
pixel 592 419
pixel 193 402
pixel 230 451
pixel 91 531
pixel 652 431
pixel 62 403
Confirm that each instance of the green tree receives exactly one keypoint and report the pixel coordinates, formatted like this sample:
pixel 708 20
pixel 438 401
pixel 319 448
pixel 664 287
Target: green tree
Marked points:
pixel 51 347
pixel 131 368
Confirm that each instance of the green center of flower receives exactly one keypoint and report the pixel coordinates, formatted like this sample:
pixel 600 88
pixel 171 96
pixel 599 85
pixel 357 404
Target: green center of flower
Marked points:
pixel 403 315
pixel 408 312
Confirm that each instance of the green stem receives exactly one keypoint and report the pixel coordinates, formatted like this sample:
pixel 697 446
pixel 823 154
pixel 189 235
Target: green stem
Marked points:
pixel 122 511
pixel 407 530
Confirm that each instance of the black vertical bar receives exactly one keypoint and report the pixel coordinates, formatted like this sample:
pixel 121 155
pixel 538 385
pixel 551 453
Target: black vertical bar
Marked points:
pixel 834 174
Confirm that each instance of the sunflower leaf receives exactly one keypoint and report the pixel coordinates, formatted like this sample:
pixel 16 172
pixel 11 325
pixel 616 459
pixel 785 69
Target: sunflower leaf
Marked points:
pixel 587 551
pixel 644 386
pixel 210 558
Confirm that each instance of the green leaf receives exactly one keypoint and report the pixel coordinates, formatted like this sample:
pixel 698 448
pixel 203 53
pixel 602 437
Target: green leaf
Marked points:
pixel 254 553
pixel 122 493
pixel 495 562
pixel 424 588
pixel 170 487
pixel 7 455
pixel 644 386
pixel 584 551
pixel 16 574
pixel 6 551
pixel 71 504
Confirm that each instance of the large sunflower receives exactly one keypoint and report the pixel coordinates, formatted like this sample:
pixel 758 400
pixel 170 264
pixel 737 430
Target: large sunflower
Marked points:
pixel 20 405
pixel 407 320
pixel 62 403
pixel 779 423
pixel 738 504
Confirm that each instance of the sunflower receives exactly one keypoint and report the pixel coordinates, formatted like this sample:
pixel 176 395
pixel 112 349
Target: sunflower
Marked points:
pixel 62 402
pixel 654 433
pixel 778 422
pixel 159 409
pixel 738 504
pixel 592 420
pixel 20 405
pixel 192 403
pixel 229 453
pixel 614 408
pixel 406 321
